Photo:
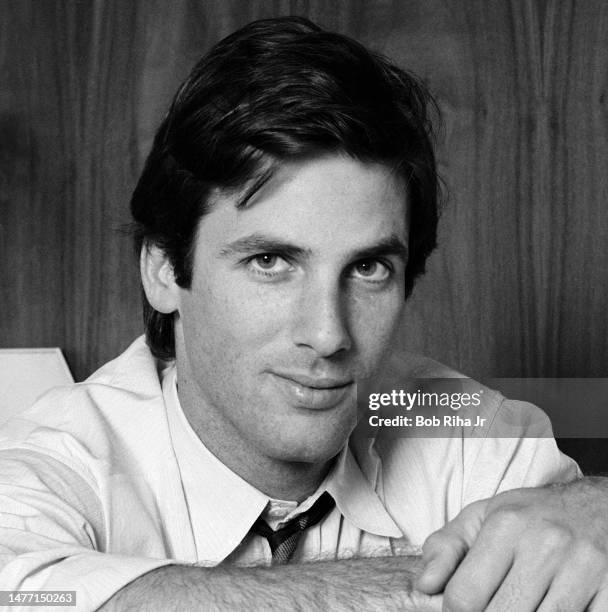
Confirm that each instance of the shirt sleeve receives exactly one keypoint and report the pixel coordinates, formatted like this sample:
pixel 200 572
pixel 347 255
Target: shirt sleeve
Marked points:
pixel 52 533
pixel 518 451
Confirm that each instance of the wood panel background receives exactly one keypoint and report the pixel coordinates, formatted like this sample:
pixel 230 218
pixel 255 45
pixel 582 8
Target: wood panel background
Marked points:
pixel 518 286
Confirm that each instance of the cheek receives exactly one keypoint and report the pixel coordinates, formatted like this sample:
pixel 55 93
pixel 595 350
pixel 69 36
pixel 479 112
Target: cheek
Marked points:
pixel 375 323
pixel 230 318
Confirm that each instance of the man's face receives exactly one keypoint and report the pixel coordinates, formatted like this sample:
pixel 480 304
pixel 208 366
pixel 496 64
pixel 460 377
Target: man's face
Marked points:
pixel 293 299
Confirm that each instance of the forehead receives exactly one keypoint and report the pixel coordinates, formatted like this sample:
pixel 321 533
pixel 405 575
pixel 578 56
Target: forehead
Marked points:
pixel 321 203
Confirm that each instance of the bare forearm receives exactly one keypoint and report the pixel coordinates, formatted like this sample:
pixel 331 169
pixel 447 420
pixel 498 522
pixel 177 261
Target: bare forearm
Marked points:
pixel 336 585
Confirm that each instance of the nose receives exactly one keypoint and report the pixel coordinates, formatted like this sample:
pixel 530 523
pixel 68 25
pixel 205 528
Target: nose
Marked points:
pixel 321 320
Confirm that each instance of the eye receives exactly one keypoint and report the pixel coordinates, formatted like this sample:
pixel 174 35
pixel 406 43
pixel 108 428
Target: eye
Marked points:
pixel 371 270
pixel 266 261
pixel 268 264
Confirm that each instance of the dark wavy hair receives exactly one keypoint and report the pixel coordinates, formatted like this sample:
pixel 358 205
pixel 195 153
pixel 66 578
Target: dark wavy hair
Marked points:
pixel 278 90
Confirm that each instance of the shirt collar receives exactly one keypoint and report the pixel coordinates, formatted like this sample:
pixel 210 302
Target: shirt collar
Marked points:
pixel 356 499
pixel 223 506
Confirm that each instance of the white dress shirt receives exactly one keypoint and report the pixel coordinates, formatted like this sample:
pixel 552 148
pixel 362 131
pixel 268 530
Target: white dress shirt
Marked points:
pixel 105 480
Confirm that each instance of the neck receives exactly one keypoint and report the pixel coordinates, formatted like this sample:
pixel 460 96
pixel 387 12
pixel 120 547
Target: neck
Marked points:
pixel 279 479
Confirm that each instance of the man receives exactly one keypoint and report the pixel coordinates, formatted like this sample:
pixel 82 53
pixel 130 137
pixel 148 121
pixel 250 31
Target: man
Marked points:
pixel 286 208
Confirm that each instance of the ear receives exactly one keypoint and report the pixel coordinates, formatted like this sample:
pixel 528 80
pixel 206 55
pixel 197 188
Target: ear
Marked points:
pixel 158 279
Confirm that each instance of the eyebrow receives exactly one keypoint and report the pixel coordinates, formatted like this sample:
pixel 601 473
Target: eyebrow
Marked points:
pixel 260 243
pixel 392 245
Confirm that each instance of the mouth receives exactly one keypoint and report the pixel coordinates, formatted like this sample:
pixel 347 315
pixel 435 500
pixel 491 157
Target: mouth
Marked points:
pixel 312 393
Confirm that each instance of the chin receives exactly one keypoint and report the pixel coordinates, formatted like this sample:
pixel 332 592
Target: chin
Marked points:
pixel 314 449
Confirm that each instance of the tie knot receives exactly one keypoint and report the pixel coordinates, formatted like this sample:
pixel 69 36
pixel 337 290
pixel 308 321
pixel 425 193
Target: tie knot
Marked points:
pixel 283 541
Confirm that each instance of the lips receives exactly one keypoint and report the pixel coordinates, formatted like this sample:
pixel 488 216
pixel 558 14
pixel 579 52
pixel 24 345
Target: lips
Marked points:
pixel 312 393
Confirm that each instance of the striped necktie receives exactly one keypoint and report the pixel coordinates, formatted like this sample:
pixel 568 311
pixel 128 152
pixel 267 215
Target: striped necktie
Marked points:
pixel 284 541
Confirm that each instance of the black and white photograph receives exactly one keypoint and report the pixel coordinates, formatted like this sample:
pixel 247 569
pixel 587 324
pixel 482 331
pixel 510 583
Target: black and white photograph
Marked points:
pixel 304 305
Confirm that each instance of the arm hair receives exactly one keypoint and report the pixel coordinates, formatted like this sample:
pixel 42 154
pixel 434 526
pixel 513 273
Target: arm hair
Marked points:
pixel 354 584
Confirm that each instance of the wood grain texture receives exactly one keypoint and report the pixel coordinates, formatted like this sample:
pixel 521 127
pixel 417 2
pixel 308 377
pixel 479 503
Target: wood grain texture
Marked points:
pixel 518 286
